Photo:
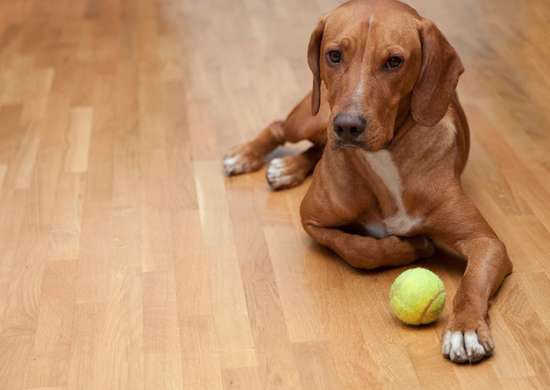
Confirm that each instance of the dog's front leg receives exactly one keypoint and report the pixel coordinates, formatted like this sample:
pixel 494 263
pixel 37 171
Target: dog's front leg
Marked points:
pixel 369 253
pixel 299 125
pixel 249 157
pixel 467 337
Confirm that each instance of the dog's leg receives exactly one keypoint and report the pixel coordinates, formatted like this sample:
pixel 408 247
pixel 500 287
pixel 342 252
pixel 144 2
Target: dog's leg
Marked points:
pixel 461 227
pixel 369 253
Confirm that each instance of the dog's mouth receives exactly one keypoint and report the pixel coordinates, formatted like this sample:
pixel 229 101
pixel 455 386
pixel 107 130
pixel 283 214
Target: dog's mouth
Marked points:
pixel 365 146
pixel 340 144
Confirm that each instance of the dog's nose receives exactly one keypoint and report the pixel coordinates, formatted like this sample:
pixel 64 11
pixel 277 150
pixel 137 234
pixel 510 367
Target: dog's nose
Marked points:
pixel 349 126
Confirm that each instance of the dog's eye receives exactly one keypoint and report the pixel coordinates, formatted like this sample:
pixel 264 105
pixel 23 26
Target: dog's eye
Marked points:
pixel 393 62
pixel 335 56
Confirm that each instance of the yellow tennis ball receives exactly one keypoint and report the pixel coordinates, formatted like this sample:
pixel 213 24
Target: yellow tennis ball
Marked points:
pixel 417 296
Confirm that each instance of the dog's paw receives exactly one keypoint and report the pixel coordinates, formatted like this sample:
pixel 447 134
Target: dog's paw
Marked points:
pixel 242 159
pixel 286 172
pixel 467 345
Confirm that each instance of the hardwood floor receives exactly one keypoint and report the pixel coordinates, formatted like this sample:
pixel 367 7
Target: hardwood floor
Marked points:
pixel 127 260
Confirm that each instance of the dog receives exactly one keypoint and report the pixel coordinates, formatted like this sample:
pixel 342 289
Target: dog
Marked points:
pixel 390 142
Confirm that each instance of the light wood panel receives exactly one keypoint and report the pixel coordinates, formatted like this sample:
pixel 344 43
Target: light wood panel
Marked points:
pixel 127 261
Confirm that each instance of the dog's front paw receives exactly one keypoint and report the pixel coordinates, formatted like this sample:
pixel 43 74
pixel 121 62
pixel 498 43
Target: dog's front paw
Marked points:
pixel 242 159
pixel 464 345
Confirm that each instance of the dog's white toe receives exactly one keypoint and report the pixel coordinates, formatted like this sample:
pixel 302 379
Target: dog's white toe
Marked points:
pixel 231 164
pixel 474 350
pixel 276 175
pixel 281 173
pixel 458 353
pixel 277 164
pixel 446 345
pixel 462 347
pixel 238 163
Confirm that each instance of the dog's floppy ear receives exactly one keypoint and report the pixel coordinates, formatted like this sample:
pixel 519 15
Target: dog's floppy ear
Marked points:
pixel 441 68
pixel 314 61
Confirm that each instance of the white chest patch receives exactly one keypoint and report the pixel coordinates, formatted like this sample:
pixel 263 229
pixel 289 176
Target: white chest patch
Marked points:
pixel 383 166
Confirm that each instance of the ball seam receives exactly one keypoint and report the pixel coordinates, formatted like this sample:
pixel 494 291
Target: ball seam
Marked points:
pixel 430 305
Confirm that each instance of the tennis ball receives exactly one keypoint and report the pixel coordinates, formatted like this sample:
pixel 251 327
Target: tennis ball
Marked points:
pixel 417 296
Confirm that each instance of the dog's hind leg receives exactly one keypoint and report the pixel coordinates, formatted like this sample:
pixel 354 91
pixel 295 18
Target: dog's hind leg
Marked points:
pixel 290 171
pixel 299 125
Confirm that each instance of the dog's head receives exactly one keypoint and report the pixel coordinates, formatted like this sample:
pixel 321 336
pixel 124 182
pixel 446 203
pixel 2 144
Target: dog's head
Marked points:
pixel 378 57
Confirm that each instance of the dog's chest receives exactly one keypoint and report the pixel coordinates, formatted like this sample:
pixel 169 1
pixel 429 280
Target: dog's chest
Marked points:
pixel 390 193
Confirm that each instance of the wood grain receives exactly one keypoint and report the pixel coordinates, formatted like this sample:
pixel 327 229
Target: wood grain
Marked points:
pixel 129 262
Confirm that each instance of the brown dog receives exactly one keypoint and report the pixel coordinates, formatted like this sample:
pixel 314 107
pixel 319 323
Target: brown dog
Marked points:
pixel 396 145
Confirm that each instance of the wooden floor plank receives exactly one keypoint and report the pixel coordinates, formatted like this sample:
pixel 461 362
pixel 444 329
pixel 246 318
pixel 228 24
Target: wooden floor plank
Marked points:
pixel 128 261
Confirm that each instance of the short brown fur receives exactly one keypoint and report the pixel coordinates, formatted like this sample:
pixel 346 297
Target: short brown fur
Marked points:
pixel 416 124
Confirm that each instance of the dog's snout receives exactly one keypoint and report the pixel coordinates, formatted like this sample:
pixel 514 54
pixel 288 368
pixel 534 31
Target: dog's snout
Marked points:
pixel 349 127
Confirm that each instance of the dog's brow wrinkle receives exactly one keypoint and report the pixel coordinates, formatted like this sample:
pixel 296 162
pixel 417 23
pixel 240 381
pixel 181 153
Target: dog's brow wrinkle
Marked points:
pixel 345 43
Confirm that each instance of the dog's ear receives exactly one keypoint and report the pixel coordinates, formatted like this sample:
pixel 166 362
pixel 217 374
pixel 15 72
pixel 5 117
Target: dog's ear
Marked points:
pixel 441 68
pixel 314 61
